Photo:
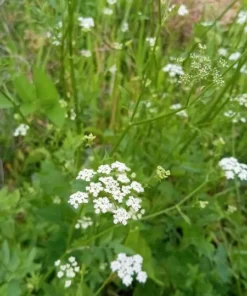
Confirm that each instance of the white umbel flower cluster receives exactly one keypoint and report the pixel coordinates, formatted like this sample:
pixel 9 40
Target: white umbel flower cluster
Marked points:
pixel 239 114
pixel 55 36
pixel 241 100
pixel 242 17
pixel 21 130
pixel 86 23
pixel 84 223
pixel 183 10
pixel 67 271
pixel 127 267
pixel 111 189
pixel 151 41
pixel 233 168
pixel 173 70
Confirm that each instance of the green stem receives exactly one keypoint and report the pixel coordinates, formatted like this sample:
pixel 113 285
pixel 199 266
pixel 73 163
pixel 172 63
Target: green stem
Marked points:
pixel 103 285
pixel 178 204
pixel 71 9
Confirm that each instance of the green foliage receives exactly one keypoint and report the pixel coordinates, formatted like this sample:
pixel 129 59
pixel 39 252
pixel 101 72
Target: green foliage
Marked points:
pixel 92 97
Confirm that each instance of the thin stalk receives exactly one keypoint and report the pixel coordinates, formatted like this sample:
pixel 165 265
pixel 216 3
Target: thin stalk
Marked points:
pixel 71 10
pixel 103 285
pixel 178 204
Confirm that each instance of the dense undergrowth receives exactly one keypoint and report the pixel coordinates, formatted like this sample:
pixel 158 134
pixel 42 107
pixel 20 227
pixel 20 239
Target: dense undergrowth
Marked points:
pixel 122 134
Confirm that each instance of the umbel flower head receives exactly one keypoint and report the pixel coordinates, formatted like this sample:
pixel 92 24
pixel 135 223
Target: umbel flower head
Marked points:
pixel 67 271
pixel 127 267
pixel 111 189
pixel 233 168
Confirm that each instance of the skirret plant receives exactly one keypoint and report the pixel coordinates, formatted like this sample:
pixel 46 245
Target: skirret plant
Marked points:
pixel 122 149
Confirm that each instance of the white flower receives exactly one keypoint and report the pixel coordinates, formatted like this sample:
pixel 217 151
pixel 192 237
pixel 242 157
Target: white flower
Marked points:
pixel 125 27
pixel 235 56
pixel 107 11
pixel 21 130
pixel 109 193
pixel 57 263
pixel 87 23
pixel 121 167
pixel 203 204
pixel 222 51
pixel 120 216
pixel 127 280
pixel 111 2
pixel 86 53
pixel 86 174
pixel 170 9
pixel 241 100
pixel 123 178
pixel 113 69
pixel 84 223
pixel 173 70
pixel 68 271
pixel 94 188
pixel 78 198
pixel 60 274
pixel 67 283
pixel 231 209
pixel 183 10
pixel 102 205
pixel 181 113
pixel 71 259
pixel 233 168
pixel 151 41
pixel 142 277
pixel 104 169
pixel 137 187
pixel 127 267
pixel 134 203
pixel 242 17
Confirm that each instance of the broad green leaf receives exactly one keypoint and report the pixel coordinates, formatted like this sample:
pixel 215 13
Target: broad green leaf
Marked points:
pixel 14 288
pixel 56 114
pixel 25 89
pixel 45 89
pixel 4 102
pixel 48 97
pixel 5 253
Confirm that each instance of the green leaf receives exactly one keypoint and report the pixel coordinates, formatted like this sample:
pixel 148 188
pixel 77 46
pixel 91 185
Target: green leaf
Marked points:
pixel 48 97
pixel 138 244
pixel 56 114
pixel 185 217
pixel 5 253
pixel 45 89
pixel 14 288
pixel 25 89
pixel 8 200
pixel 83 290
pixel 4 102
